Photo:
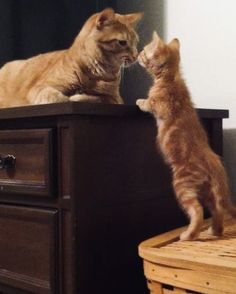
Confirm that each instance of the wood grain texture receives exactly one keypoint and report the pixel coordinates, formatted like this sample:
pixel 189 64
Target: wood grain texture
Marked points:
pixel 28 248
pixel 76 108
pixel 32 173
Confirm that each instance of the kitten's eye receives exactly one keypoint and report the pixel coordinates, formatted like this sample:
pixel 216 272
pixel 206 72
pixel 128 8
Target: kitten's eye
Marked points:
pixel 122 43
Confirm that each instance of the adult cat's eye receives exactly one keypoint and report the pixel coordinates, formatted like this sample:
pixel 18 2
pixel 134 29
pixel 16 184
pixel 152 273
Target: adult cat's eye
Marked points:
pixel 122 43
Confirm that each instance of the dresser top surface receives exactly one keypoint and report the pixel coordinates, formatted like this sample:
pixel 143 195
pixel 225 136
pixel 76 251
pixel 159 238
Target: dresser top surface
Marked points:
pixel 78 108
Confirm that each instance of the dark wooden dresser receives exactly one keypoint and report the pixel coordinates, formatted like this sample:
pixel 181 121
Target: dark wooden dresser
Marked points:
pixel 81 185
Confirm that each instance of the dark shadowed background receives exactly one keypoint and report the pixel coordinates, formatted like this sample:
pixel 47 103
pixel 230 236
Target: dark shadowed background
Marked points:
pixel 31 27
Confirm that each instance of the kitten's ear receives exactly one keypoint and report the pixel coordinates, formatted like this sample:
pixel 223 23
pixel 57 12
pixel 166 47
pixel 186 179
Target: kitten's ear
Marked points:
pixel 157 40
pixel 104 17
pixel 134 18
pixel 155 36
pixel 175 44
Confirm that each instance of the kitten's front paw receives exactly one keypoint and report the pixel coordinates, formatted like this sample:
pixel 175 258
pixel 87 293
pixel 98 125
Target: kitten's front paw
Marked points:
pixel 144 105
pixel 141 104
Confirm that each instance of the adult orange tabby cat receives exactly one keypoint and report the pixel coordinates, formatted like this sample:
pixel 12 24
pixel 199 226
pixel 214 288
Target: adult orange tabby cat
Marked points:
pixel 88 71
pixel 198 173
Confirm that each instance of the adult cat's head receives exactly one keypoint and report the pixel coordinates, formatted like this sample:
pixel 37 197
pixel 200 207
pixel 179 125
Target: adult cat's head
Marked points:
pixel 110 38
pixel 159 58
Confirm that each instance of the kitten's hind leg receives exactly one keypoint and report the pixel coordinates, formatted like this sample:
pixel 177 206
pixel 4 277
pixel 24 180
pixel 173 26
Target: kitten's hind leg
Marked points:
pixel 195 212
pixel 217 212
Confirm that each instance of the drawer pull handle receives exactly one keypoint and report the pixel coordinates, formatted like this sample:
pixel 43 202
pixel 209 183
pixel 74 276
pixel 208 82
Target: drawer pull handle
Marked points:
pixel 7 161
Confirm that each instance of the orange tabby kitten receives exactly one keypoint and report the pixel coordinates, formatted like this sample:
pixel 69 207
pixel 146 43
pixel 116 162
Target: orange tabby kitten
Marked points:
pixel 88 71
pixel 198 173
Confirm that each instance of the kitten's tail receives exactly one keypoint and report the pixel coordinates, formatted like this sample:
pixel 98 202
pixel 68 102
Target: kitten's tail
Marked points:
pixel 222 193
pixel 231 209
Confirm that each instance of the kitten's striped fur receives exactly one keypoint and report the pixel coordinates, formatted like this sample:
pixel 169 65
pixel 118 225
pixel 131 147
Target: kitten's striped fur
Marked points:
pixel 199 176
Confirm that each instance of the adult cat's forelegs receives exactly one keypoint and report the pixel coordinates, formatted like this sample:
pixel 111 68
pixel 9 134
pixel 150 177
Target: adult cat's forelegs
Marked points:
pixel 45 95
pixel 107 99
pixel 84 98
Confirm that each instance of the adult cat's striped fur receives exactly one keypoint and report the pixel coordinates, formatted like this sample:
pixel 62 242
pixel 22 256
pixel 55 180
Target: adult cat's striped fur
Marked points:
pixel 198 173
pixel 88 71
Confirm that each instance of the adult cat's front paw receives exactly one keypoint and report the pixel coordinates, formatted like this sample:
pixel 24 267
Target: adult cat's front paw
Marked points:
pixel 45 95
pixel 84 98
pixel 59 97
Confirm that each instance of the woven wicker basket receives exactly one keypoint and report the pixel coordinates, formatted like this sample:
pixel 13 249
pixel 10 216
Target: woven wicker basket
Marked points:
pixel 207 265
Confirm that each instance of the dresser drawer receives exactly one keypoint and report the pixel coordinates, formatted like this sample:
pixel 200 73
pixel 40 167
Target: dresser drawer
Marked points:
pixel 28 248
pixel 31 173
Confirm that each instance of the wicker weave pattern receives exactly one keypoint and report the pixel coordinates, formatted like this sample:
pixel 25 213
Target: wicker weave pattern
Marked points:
pixel 207 265
pixel 207 246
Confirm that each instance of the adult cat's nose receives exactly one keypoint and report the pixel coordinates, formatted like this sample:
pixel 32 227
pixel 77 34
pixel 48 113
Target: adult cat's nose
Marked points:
pixel 135 54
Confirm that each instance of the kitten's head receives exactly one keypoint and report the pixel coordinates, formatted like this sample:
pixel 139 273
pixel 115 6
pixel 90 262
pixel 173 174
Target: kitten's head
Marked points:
pixel 112 35
pixel 159 58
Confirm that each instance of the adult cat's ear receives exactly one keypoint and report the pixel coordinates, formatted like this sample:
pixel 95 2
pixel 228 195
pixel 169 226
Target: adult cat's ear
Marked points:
pixel 104 17
pixel 175 44
pixel 134 18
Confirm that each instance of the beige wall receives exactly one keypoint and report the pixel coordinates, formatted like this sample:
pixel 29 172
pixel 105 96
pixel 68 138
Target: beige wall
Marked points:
pixel 207 32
